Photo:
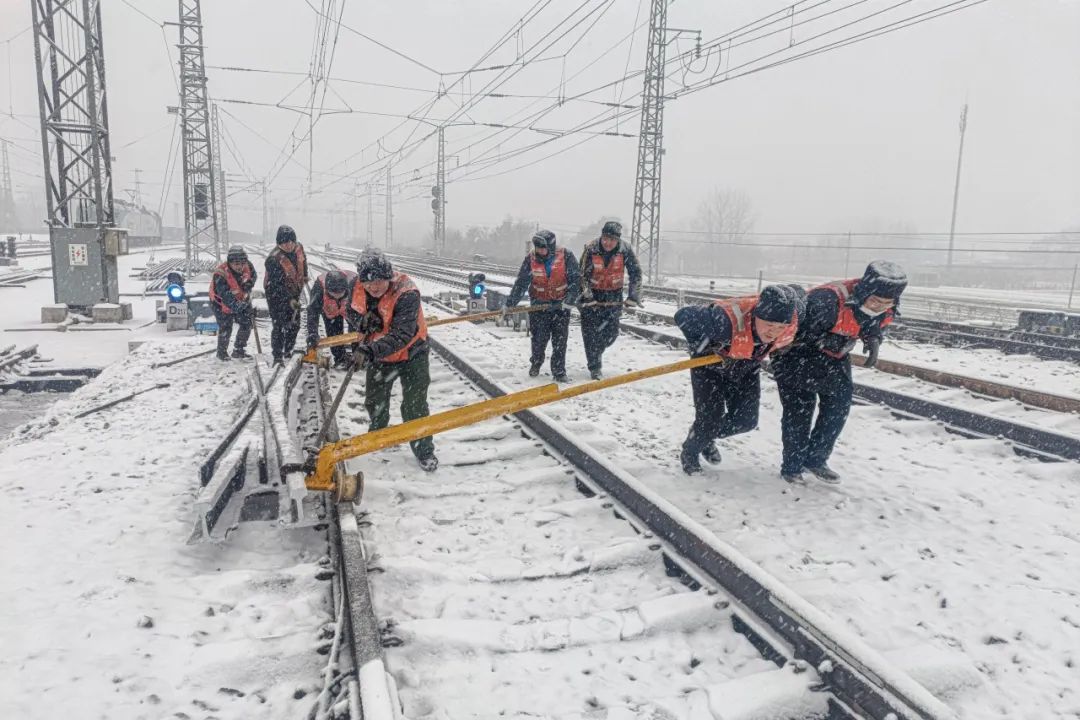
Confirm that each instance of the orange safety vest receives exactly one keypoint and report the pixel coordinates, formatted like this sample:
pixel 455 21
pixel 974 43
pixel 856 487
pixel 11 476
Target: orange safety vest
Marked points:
pixel 294 274
pixel 236 286
pixel 739 310
pixel 608 277
pixel 547 288
pixel 333 307
pixel 399 285
pixel 846 323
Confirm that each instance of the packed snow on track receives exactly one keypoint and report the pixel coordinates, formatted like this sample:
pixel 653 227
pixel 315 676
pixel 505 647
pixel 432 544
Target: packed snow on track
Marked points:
pixel 930 539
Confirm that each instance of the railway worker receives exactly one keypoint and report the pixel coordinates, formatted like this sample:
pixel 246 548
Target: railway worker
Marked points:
pixel 230 293
pixel 552 277
pixel 816 370
pixel 603 264
pixel 328 300
pixel 286 275
pixel 743 331
pixel 385 307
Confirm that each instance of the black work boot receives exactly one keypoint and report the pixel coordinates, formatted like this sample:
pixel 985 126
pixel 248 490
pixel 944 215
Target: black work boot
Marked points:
pixel 824 473
pixel 429 463
pixel 711 453
pixel 534 368
pixel 222 355
pixel 691 464
pixel 240 353
pixel 793 478
pixel 596 374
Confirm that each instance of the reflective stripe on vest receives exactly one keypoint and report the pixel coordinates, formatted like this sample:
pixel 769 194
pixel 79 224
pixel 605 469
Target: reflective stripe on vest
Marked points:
pixel 548 288
pixel 399 285
pixel 334 307
pixel 294 274
pixel 608 277
pixel 846 323
pixel 235 286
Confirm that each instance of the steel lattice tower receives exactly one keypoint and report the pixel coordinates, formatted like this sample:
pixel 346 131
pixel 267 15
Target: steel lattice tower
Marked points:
pixel 438 202
pixel 221 199
pixel 645 227
pixel 200 206
pixel 70 61
pixel 9 220
pixel 74 114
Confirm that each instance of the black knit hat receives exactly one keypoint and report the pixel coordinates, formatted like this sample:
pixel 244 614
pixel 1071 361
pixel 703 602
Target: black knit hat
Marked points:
pixel 776 303
pixel 336 282
pixel 882 278
pixel 236 252
pixel 544 238
pixel 612 228
pixel 285 234
pixel 373 265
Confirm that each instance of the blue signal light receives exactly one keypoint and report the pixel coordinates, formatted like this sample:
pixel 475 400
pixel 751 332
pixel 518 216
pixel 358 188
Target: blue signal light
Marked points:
pixel 175 293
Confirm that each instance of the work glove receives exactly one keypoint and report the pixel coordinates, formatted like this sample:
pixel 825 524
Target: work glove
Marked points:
pixel 370 322
pixel 295 303
pixel 312 341
pixel 556 306
pixel 631 303
pixel 586 300
pixel 243 309
pixel 363 355
pixel 871 346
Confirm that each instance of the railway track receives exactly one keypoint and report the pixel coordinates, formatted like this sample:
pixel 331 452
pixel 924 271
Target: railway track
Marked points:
pixel 529 576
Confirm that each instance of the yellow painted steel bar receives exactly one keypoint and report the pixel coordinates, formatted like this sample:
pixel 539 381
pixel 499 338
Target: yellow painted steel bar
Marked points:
pixel 349 338
pixel 330 455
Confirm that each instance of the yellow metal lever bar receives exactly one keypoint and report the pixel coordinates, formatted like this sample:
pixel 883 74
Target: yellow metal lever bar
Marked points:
pixel 349 338
pixel 330 455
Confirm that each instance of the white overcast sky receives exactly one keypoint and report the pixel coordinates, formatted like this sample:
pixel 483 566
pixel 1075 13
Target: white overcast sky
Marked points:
pixel 861 137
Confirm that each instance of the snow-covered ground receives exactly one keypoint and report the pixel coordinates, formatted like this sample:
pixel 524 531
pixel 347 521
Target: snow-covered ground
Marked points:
pixel 931 538
pixel 105 612
pixel 80 346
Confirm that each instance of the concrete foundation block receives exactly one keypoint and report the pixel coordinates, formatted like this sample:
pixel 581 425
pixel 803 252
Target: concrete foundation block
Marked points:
pixel 107 313
pixel 54 313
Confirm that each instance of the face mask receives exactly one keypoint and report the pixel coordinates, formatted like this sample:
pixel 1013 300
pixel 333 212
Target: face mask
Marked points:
pixel 868 312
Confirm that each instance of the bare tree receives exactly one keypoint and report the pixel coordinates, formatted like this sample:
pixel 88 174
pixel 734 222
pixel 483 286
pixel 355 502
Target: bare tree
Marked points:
pixel 724 217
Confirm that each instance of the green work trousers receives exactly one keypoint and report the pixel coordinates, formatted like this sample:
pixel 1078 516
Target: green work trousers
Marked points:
pixel 415 379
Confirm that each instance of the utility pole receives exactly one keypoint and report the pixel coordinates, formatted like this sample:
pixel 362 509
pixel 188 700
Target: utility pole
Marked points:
pixel 266 214
pixel 956 189
pixel 222 203
pixel 9 219
pixel 200 207
pixel 438 201
pixel 356 209
pixel 645 226
pixel 70 61
pixel 389 210
pixel 370 239
pixel 138 187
